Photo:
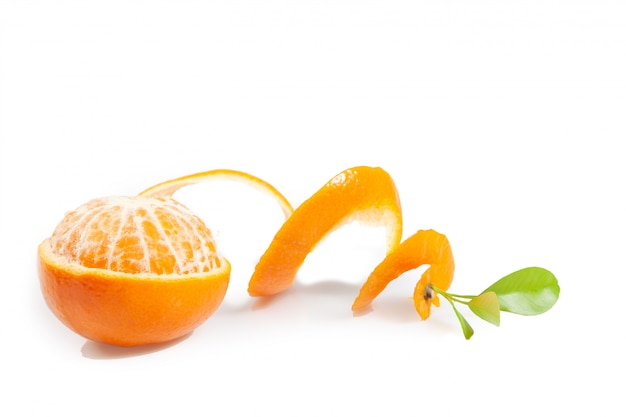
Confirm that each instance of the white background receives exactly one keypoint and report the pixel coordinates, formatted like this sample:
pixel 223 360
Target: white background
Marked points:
pixel 500 121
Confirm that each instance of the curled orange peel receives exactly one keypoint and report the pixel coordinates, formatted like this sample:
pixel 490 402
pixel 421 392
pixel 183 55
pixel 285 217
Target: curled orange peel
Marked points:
pixel 168 188
pixel 424 247
pixel 365 194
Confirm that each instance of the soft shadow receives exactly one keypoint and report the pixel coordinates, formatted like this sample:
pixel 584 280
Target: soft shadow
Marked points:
pixel 390 306
pixel 321 289
pixel 331 288
pixel 97 350
pixel 261 303
pixel 236 307
pixel 363 311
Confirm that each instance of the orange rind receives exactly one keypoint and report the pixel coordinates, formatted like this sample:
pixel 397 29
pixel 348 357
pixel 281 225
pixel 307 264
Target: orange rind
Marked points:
pixel 422 248
pixel 364 194
pixel 169 187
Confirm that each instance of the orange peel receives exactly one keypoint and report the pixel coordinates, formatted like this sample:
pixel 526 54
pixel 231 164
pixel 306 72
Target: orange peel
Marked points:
pixel 424 247
pixel 365 194
pixel 169 187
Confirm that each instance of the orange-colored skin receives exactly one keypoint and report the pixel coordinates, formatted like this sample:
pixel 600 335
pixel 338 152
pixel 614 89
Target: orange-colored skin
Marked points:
pixel 168 188
pixel 343 198
pixel 132 270
pixel 125 310
pixel 424 247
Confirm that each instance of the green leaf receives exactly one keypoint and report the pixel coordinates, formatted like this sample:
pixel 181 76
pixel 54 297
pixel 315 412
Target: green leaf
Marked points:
pixel 528 292
pixel 468 332
pixel 487 307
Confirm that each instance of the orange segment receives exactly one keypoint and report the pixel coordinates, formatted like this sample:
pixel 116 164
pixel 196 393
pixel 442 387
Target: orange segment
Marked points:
pixel 168 188
pixel 362 193
pixel 132 270
pixel 424 247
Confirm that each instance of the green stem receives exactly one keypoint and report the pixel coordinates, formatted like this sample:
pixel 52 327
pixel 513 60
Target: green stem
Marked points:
pixel 468 332
pixel 463 299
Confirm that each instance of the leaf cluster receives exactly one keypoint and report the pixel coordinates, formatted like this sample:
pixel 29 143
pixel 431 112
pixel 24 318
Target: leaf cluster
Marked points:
pixel 528 292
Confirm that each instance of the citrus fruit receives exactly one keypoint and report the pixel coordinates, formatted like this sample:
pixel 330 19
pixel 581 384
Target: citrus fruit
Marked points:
pixel 132 270
pixel 365 194
pixel 424 247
